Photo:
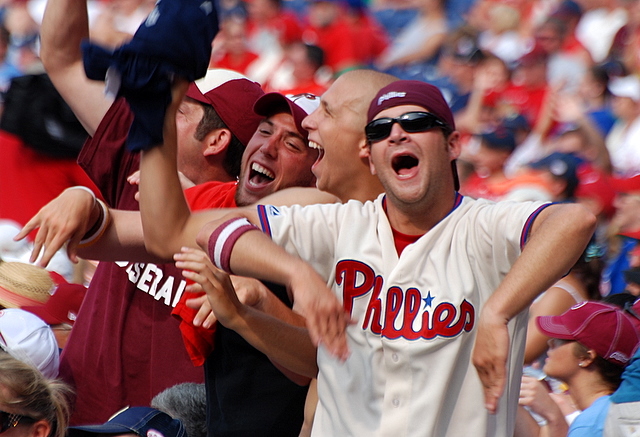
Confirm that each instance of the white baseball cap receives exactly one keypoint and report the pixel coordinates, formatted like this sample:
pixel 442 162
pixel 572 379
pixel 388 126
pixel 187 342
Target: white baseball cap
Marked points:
pixel 627 86
pixel 29 339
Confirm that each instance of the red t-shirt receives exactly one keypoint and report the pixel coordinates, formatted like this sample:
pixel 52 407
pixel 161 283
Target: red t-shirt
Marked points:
pixel 285 25
pixel 29 180
pixel 338 42
pixel 230 63
pixel 125 346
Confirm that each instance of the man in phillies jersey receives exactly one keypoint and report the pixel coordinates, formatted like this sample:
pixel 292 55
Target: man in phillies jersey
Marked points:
pixel 419 272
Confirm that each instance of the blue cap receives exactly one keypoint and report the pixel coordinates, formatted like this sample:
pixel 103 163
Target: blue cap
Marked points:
pixel 562 165
pixel 143 421
pixel 500 138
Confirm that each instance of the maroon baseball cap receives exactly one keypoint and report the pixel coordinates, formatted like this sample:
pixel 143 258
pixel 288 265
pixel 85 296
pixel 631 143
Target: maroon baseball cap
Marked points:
pixel 412 92
pixel 232 95
pixel 299 106
pixel 599 326
pixel 63 305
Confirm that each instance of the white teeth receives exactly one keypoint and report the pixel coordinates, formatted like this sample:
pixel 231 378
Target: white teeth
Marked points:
pixel 315 145
pixel 260 169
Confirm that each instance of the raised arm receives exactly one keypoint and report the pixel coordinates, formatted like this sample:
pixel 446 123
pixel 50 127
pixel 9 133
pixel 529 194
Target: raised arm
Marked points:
pixel 558 236
pixel 64 26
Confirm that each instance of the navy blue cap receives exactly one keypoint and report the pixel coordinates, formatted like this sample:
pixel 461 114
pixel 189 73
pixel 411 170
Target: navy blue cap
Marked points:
pixel 174 40
pixel 143 421
pixel 500 138
pixel 562 165
pixel 516 122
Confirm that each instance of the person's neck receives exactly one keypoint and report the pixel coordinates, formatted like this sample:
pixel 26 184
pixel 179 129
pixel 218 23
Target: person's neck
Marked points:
pixel 363 191
pixel 587 388
pixel 418 219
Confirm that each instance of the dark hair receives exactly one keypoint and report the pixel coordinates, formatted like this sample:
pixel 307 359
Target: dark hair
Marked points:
pixel 611 373
pixel 315 55
pixel 588 269
pixel 210 121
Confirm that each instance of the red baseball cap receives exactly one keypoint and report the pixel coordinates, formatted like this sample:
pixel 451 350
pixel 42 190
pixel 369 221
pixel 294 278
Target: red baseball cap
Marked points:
pixel 63 305
pixel 232 95
pixel 626 185
pixel 599 326
pixel 595 184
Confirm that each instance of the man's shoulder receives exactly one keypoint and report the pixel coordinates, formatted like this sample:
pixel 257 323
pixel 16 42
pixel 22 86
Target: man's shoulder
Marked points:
pixel 298 196
pixel 213 194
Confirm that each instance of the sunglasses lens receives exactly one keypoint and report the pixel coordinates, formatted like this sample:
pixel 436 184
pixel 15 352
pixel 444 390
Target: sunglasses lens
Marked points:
pixel 411 122
pixel 417 122
pixel 379 129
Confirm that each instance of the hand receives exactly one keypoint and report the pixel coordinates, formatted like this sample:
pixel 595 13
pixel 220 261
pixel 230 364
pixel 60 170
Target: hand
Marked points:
pixel 216 284
pixel 535 395
pixel 326 318
pixel 65 219
pixel 134 179
pixel 490 356
pixel 250 292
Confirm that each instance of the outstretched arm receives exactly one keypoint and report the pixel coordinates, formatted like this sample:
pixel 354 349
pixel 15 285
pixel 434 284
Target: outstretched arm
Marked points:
pixel 254 254
pixel 559 235
pixel 64 26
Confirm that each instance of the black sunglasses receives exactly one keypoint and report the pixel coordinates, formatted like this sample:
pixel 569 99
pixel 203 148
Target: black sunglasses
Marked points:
pixel 411 122
pixel 10 420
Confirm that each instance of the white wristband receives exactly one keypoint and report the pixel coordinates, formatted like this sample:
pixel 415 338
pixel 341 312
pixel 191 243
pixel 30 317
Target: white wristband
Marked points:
pixel 81 187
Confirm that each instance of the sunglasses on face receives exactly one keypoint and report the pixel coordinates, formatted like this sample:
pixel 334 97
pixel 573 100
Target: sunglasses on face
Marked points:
pixel 411 122
pixel 10 420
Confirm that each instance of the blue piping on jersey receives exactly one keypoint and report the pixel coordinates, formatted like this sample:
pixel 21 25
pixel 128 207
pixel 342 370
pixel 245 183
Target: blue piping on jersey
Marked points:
pixel 529 223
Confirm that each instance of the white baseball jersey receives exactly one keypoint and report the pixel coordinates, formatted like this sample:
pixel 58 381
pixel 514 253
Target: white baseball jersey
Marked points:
pixel 409 372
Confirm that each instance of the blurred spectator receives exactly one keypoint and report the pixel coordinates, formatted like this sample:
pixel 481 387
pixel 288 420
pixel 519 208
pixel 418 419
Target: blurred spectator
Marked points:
pixel 590 346
pixel 593 92
pixel 632 279
pixel 529 87
pixel 31 404
pixel 328 28
pixel 270 26
pixel 40 139
pixel 301 72
pixel 7 69
pixel 118 21
pixel 625 228
pixel 186 402
pixel 418 44
pixel 596 193
pixel 567 59
pixel 502 37
pixel 623 139
pixel 60 310
pixel 28 338
pixel 599 24
pixel 560 172
pixel 230 47
pixel 489 152
pixel 371 39
pixel 626 42
pixel 133 421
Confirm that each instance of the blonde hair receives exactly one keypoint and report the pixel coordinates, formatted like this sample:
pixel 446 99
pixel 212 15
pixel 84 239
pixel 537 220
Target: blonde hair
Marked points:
pixel 30 394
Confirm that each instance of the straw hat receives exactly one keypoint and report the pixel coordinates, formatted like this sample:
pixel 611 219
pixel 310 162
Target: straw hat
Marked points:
pixel 25 284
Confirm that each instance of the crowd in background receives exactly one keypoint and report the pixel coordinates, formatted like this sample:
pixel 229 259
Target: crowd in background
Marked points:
pixel 545 93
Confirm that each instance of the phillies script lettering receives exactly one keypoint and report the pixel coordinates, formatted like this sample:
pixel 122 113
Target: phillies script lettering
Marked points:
pixel 443 320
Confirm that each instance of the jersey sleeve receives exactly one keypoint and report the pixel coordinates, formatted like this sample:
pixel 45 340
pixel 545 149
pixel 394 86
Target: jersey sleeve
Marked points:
pixel 107 162
pixel 501 230
pixel 309 232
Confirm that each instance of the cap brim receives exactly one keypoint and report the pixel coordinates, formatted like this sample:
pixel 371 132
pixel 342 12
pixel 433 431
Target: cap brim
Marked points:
pixel 552 326
pixel 106 428
pixel 41 311
pixel 9 299
pixel 272 103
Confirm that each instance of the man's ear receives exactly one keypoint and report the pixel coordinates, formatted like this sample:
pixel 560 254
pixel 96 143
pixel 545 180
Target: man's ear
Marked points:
pixel 364 152
pixel 454 145
pixel 216 142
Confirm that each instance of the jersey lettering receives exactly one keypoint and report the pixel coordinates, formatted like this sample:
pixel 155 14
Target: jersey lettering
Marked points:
pixel 151 279
pixel 404 316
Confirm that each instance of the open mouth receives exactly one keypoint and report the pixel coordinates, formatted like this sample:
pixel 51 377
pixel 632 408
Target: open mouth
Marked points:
pixel 318 147
pixel 403 164
pixel 260 175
